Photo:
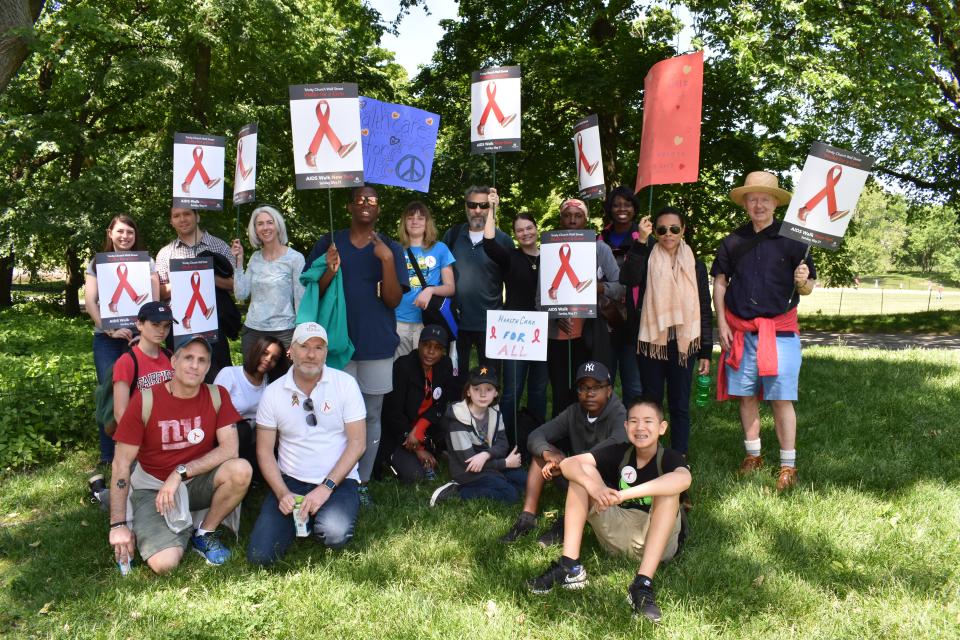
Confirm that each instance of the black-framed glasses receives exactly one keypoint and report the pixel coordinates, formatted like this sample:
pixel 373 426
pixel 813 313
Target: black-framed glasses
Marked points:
pixel 674 229
pixel 475 205
pixel 590 391
pixel 372 200
pixel 311 414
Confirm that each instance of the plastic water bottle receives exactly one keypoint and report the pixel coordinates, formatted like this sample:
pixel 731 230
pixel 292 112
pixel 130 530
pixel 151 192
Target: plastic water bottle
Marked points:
pixel 125 565
pixel 703 391
pixel 430 474
pixel 300 524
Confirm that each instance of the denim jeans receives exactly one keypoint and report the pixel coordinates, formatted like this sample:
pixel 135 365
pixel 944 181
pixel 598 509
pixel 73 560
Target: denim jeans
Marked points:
pixel 332 525
pixel 656 374
pixel 515 374
pixel 106 350
pixel 505 486
pixel 625 361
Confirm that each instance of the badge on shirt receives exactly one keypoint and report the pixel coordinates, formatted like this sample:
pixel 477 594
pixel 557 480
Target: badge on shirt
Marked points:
pixel 437 393
pixel 195 436
pixel 628 474
pixel 326 407
pixel 295 400
pixel 431 262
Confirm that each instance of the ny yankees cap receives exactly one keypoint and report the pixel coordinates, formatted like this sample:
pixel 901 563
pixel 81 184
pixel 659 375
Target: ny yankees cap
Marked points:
pixel 594 370
pixel 308 330
pixel 155 312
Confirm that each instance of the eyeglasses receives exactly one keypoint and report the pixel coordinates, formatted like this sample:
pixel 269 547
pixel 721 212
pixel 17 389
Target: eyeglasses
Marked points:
pixel 591 391
pixel 474 205
pixel 674 229
pixel 366 200
pixel 311 416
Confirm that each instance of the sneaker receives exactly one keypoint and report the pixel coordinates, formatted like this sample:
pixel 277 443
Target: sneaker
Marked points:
pixel 363 492
pixel 575 578
pixel 553 536
pixel 786 478
pixel 444 492
pixel 209 546
pixel 640 595
pixel 97 486
pixel 750 464
pixel 525 523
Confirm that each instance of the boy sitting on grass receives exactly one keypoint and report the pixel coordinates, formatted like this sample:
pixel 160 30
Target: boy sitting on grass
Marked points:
pixel 630 495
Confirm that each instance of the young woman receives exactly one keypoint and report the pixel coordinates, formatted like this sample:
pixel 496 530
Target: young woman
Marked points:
pixel 108 345
pixel 481 464
pixel 675 320
pixel 418 236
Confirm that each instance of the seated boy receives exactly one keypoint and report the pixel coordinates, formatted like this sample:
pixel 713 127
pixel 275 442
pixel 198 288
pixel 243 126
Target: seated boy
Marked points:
pixel 630 495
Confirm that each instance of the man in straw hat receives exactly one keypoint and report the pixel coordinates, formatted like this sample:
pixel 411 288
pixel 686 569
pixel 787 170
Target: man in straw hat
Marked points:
pixel 758 278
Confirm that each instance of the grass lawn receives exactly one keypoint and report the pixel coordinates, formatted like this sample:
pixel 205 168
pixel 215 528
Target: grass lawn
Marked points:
pixel 939 322
pixel 866 547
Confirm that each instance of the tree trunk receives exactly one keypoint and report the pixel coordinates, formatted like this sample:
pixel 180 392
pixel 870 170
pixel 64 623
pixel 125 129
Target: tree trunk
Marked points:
pixel 13 51
pixel 6 280
pixel 75 280
pixel 201 83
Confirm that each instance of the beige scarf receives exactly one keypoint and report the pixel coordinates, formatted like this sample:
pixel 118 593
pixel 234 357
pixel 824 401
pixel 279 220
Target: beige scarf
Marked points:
pixel 671 302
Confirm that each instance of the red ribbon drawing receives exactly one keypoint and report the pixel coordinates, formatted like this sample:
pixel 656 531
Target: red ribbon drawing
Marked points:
pixel 198 168
pixel 493 333
pixel 196 299
pixel 491 91
pixel 833 178
pixel 124 286
pixel 582 157
pixel 566 270
pixel 536 335
pixel 244 172
pixel 324 130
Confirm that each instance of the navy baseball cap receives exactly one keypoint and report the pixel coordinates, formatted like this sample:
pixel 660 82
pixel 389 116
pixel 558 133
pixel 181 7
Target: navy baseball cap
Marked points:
pixel 594 370
pixel 435 333
pixel 195 338
pixel 483 375
pixel 155 312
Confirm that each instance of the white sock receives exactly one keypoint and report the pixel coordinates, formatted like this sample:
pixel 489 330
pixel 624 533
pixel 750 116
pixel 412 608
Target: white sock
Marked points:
pixel 788 457
pixel 201 532
pixel 752 446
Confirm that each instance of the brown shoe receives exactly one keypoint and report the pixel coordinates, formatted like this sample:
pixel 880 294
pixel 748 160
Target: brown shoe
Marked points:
pixel 751 464
pixel 786 479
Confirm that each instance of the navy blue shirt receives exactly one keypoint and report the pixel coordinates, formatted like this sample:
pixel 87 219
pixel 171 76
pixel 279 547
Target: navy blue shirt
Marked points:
pixel 372 325
pixel 479 279
pixel 760 280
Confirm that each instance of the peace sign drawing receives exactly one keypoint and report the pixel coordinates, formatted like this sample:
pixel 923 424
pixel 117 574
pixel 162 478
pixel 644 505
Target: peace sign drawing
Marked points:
pixel 410 168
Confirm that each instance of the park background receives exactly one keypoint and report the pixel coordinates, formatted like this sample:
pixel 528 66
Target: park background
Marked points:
pixel 91 96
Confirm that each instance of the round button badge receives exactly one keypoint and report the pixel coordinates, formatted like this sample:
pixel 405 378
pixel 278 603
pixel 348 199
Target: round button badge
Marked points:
pixel 195 436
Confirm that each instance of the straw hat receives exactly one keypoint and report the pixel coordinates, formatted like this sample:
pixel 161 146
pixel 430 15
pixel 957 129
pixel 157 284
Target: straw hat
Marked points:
pixel 760 182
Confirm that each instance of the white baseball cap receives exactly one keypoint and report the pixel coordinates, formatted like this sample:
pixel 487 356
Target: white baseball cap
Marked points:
pixel 309 330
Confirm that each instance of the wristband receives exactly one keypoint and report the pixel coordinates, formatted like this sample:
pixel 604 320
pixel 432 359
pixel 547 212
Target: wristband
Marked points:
pixel 117 525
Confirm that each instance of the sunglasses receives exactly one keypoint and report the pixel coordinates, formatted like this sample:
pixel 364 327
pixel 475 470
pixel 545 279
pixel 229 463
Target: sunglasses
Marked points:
pixel 591 391
pixel 481 205
pixel 674 229
pixel 311 416
pixel 366 199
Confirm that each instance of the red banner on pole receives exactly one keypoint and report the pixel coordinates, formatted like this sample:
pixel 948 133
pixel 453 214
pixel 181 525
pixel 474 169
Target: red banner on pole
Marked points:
pixel 672 104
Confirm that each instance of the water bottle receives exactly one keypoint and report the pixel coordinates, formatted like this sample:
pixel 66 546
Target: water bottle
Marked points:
pixel 703 390
pixel 430 474
pixel 300 524
pixel 125 565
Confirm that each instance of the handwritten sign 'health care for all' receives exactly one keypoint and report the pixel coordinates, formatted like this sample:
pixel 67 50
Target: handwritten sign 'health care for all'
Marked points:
pixel 517 335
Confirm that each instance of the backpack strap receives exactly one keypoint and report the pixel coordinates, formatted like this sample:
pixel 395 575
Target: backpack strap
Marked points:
pixel 626 458
pixel 416 267
pixel 215 397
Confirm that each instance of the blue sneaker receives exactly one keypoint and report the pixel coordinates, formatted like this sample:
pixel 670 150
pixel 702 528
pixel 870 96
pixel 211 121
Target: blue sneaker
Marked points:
pixel 209 546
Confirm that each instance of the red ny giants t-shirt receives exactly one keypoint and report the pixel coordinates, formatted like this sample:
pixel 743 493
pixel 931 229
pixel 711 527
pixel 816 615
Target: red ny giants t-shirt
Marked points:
pixel 178 431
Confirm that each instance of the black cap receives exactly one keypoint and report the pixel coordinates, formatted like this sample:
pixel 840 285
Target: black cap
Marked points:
pixel 195 338
pixel 155 312
pixel 482 375
pixel 435 333
pixel 594 370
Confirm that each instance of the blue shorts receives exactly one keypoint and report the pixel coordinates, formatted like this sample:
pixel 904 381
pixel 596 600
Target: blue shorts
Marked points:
pixel 783 386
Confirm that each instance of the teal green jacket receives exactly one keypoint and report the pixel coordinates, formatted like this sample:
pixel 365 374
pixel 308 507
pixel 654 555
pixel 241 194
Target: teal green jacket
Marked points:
pixel 330 312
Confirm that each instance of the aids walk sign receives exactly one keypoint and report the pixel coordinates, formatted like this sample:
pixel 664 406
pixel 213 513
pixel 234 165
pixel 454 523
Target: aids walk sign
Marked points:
pixel 517 335
pixel 325 124
pixel 245 170
pixel 193 299
pixel 495 110
pixel 123 286
pixel 568 273
pixel 826 196
pixel 586 149
pixel 198 171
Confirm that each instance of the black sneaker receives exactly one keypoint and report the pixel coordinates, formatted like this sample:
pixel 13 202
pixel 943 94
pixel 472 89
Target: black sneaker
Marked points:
pixel 575 578
pixel 526 522
pixel 640 595
pixel 444 492
pixel 553 536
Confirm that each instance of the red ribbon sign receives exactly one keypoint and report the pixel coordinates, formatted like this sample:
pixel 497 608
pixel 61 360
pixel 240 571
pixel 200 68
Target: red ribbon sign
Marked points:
pixel 124 286
pixel 244 172
pixel 536 335
pixel 196 299
pixel 493 333
pixel 491 91
pixel 566 270
pixel 583 162
pixel 198 168
pixel 324 130
pixel 833 178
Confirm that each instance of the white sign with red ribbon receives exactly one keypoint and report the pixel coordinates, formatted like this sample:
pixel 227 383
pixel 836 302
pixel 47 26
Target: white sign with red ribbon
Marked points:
pixel 495 110
pixel 568 273
pixel 193 298
pixel 325 121
pixel 826 196
pixel 586 149
pixel 198 171
pixel 517 335
pixel 245 170
pixel 123 286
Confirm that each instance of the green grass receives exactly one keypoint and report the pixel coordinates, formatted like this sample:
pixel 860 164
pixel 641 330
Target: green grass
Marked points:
pixel 910 280
pixel 866 547
pixel 870 301
pixel 938 322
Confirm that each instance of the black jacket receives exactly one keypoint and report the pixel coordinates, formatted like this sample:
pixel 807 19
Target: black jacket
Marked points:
pixel 401 406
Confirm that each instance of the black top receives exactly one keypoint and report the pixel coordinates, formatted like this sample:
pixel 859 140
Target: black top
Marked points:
pixel 402 404
pixel 618 476
pixel 520 275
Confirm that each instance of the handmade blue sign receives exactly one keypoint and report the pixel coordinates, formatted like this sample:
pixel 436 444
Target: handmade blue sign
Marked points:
pixel 398 144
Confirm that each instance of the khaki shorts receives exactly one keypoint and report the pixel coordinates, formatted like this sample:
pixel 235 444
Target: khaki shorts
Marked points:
pixel 624 531
pixel 153 534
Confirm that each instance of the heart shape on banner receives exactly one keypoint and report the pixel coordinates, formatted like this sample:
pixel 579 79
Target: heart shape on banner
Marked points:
pixel 687 69
pixel 677 140
pixel 394 140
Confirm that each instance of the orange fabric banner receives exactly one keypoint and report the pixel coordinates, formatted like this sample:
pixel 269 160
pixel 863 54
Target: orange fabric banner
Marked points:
pixel 672 104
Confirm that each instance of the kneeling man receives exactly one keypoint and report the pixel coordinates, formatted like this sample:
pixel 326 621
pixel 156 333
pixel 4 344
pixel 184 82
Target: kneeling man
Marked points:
pixel 318 416
pixel 630 495
pixel 182 435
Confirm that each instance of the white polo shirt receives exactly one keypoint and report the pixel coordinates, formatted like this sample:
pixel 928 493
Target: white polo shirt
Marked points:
pixel 310 453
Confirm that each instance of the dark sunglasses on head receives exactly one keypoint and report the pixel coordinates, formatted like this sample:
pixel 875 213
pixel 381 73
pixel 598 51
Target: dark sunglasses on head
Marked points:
pixel 674 229
pixel 366 199
pixel 311 415
pixel 474 205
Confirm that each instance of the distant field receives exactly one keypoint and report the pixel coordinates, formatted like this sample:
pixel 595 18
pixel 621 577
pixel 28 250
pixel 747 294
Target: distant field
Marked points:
pixel 870 301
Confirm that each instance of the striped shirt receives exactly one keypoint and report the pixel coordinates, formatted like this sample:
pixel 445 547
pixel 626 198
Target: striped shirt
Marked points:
pixel 179 249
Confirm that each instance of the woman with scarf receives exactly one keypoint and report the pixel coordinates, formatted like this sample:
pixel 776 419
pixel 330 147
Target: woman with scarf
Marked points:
pixel 675 319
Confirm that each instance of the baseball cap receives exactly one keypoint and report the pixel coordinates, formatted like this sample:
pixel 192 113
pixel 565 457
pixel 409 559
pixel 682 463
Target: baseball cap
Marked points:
pixel 195 338
pixel 308 330
pixel 594 370
pixel 482 375
pixel 434 332
pixel 155 312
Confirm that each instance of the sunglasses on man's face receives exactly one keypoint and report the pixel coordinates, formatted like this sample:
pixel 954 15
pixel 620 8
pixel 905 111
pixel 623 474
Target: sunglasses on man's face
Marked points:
pixel 474 205
pixel 311 415
pixel 360 200
pixel 674 229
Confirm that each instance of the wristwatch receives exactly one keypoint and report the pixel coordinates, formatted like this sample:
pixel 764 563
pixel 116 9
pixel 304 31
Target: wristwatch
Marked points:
pixel 182 470
pixel 329 484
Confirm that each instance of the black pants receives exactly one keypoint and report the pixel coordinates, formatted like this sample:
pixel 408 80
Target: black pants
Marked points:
pixel 466 340
pixel 564 357
pixel 656 374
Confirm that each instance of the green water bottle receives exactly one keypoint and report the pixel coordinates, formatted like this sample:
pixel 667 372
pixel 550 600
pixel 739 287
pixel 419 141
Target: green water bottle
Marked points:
pixel 703 390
